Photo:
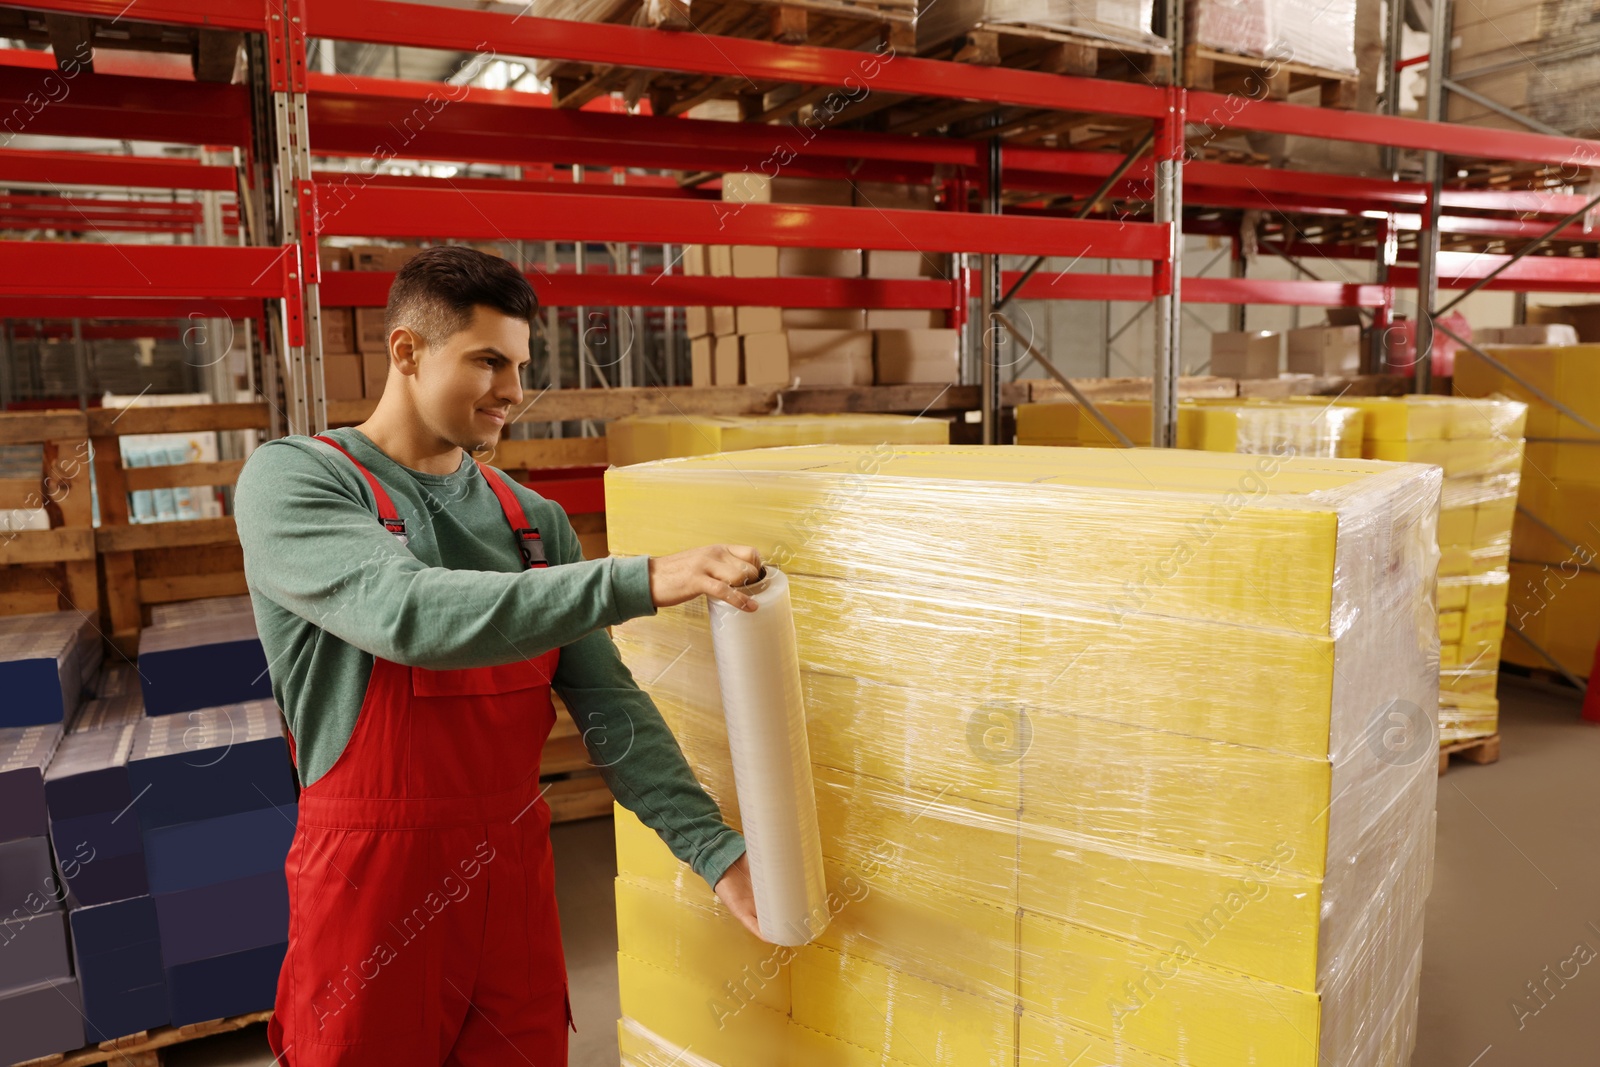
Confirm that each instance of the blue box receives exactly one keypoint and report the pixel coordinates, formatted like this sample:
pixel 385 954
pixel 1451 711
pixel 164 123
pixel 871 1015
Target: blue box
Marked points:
pixel 194 854
pixel 41 1020
pixel 202 663
pixel 45 661
pixel 28 883
pixel 116 951
pixel 33 949
pixel 221 919
pixel 24 754
pixel 235 984
pixel 210 763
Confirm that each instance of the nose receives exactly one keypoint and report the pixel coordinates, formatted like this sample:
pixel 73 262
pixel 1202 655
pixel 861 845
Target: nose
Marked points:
pixel 509 386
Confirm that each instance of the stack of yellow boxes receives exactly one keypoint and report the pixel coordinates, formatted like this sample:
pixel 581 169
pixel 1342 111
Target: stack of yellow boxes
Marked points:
pixel 1555 573
pixel 1119 758
pixel 1479 446
pixel 1261 427
pixel 639 438
pixel 1477 443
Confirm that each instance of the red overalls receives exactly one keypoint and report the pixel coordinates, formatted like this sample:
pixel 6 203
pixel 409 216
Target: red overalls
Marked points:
pixel 422 908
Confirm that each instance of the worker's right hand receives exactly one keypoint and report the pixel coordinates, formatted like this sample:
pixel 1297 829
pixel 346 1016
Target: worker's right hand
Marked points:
pixel 714 571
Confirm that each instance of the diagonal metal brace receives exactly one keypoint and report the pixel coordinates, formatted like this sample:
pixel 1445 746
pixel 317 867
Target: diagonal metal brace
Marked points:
pixel 1066 383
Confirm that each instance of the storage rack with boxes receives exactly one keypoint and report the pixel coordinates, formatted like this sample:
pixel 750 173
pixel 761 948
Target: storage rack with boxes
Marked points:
pixel 1030 182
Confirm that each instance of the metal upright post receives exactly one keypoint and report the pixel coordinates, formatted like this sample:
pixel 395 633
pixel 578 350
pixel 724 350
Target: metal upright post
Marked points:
pixel 80 364
pixel 1377 356
pixel 1428 236
pixel 1168 278
pixel 301 334
pixel 989 354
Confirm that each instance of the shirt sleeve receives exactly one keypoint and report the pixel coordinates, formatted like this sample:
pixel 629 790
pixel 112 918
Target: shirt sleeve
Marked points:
pixel 311 545
pixel 634 749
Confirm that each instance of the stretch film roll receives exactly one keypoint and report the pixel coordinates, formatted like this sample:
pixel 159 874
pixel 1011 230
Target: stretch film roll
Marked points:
pixel 758 669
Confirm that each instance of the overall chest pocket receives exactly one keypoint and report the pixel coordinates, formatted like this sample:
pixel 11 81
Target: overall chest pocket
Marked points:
pixel 485 681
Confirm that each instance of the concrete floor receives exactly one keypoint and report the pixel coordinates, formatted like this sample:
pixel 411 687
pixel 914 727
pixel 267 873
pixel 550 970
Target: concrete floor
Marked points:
pixel 1516 889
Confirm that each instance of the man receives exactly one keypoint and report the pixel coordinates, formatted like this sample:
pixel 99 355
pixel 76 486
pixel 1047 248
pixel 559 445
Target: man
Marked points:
pixel 417 609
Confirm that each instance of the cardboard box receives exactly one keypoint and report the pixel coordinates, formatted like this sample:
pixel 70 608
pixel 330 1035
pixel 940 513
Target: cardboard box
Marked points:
pixel 725 361
pixel 374 372
pixel 1328 351
pixel 700 361
pixel 883 263
pixel 710 321
pixel 772 320
pixel 894 196
pixel 765 261
pixel 905 319
pixel 1584 318
pixel 338 330
pixel 697 321
pixel 380 257
pixel 370 334
pixel 341 376
pixel 333 257
pixel 719 260
pixel 747 188
pixel 1548 333
pixel 766 358
pixel 1253 354
pixel 830 357
pixel 695 262
pixel 905 356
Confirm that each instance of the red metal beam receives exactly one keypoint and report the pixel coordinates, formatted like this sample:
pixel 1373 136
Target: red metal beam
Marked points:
pixel 91 307
pixel 61 268
pixel 213 14
pixel 374 211
pixel 359 288
pixel 392 23
pixel 98 331
pixel 1534 274
pixel 122 107
pixel 27 167
pixel 1235 112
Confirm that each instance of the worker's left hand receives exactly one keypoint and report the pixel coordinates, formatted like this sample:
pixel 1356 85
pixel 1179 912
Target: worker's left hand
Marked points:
pixel 738 894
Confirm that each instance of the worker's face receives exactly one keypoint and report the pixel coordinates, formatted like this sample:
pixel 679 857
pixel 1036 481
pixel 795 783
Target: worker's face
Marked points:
pixel 465 387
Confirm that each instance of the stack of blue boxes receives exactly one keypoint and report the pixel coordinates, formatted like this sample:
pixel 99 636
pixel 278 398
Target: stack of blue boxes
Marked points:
pixel 45 660
pixel 141 854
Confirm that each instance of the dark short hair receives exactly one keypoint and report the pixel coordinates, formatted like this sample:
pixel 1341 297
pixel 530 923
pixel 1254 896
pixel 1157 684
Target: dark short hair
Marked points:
pixel 435 292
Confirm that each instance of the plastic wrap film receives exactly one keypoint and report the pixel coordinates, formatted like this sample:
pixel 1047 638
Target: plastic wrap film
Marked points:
pixel 640 438
pixel 1120 756
pixel 1121 21
pixel 1555 539
pixel 1259 428
pixel 1305 32
pixel 758 674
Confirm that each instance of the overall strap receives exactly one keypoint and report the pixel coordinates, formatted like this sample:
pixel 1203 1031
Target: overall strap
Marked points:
pixel 528 541
pixel 386 512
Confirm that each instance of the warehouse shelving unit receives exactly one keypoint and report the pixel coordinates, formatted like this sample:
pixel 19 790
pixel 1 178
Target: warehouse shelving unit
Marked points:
pixel 1422 237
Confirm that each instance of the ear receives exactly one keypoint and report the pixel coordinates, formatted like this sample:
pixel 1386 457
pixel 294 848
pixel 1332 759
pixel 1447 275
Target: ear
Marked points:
pixel 404 349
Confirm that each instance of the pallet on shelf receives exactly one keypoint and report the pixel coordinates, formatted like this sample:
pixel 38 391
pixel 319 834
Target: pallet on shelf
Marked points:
pixel 1475 750
pixel 145 1049
pixel 1266 78
pixel 845 24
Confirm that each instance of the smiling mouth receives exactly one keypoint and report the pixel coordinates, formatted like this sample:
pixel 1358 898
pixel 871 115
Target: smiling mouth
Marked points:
pixel 497 416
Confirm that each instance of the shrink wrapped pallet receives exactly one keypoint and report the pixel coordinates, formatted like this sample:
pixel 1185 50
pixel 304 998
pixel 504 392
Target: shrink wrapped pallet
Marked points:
pixel 1119 21
pixel 1540 58
pixel 1118 756
pixel 1210 425
pixel 1304 32
pixel 1555 544
pixel 640 438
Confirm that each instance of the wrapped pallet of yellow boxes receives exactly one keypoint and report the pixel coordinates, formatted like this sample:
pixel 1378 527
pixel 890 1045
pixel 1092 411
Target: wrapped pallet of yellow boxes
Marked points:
pixel 1477 444
pixel 1105 754
pixel 1221 425
pixel 1555 540
pixel 640 438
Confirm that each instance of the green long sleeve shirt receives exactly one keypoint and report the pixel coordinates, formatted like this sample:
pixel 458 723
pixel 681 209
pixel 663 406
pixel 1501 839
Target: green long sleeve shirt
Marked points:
pixel 331 589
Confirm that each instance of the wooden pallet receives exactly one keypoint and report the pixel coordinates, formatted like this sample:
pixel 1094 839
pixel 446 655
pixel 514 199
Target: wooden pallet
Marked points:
pixel 1031 48
pixel 1266 79
pixel 844 24
pixel 1477 750
pixel 145 1049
